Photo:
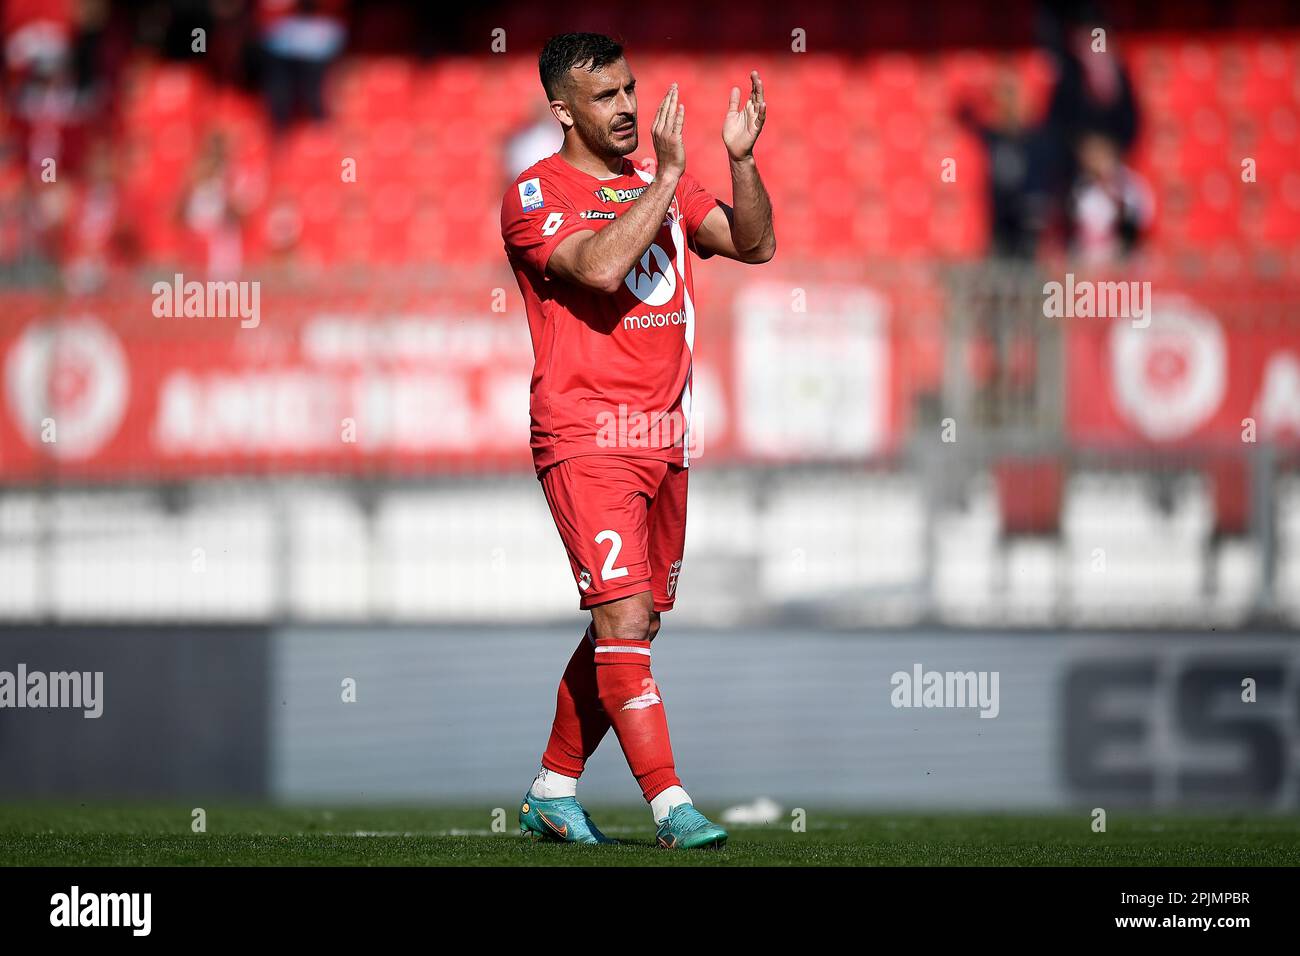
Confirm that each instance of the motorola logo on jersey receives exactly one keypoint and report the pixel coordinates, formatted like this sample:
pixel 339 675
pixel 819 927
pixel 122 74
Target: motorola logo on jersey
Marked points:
pixel 652 279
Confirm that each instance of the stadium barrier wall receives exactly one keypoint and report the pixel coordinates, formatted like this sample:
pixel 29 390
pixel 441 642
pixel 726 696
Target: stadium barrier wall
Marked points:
pixel 182 712
pixel 805 717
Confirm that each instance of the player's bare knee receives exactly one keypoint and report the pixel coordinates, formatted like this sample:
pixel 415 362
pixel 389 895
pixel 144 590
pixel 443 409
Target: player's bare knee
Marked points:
pixel 628 619
pixel 632 625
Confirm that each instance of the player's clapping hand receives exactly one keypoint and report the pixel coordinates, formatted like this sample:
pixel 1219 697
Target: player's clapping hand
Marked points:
pixel 670 149
pixel 741 127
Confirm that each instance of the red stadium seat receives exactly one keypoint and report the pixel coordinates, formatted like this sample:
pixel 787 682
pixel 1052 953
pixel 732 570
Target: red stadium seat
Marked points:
pixel 855 143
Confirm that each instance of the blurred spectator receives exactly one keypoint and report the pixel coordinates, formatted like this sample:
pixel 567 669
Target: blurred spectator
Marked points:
pixel 48 113
pixel 300 38
pixel 1111 205
pixel 1092 94
pixel 1015 169
pixel 37 34
pixel 98 235
pixel 101 48
pixel 213 208
pixel 180 19
pixel 282 232
pixel 541 137
pixel 228 52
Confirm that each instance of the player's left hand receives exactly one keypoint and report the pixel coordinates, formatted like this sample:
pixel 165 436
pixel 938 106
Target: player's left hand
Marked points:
pixel 741 127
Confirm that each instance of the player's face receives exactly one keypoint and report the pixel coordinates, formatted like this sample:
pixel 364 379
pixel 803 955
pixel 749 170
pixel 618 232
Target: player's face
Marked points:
pixel 603 107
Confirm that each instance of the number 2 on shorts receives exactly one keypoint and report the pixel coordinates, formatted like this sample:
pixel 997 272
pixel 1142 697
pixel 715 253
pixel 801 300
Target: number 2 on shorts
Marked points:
pixel 608 571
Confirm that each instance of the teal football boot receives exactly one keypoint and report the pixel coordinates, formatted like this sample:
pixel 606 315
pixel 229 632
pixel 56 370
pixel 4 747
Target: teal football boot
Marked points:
pixel 561 818
pixel 685 828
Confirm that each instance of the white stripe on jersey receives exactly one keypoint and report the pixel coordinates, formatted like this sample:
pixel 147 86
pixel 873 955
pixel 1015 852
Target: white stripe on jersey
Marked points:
pixel 688 307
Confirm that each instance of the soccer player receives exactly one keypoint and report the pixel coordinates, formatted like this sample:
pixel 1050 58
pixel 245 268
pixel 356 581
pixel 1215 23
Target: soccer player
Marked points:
pixel 601 250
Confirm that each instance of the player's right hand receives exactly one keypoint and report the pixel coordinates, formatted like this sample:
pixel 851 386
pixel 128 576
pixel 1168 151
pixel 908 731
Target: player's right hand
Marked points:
pixel 670 148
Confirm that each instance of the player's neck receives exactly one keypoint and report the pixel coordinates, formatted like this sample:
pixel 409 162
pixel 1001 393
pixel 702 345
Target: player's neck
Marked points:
pixel 576 154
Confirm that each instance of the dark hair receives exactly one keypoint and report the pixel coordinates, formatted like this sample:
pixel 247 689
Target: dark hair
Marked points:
pixel 591 51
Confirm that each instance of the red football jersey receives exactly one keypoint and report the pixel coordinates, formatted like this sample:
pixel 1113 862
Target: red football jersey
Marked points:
pixel 611 373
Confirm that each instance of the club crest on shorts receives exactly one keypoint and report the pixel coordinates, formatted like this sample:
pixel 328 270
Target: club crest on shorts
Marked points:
pixel 584 579
pixel 673 571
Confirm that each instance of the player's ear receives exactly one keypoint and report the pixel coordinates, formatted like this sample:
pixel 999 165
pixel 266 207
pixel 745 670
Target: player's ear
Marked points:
pixel 560 110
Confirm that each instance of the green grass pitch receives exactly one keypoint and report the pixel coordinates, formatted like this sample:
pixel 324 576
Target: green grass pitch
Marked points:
pixel 127 835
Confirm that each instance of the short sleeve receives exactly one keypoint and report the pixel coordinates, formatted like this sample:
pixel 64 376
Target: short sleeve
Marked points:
pixel 535 218
pixel 695 202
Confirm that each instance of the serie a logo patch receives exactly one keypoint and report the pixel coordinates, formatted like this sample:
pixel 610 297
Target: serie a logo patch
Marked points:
pixel 530 194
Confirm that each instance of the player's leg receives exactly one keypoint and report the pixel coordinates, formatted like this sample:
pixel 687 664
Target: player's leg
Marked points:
pixel 631 697
pixel 611 499
pixel 550 808
pixel 579 726
pixel 679 824
pixel 597 506
pixel 581 722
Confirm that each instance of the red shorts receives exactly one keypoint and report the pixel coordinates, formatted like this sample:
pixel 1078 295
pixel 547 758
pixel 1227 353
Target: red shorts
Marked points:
pixel 623 522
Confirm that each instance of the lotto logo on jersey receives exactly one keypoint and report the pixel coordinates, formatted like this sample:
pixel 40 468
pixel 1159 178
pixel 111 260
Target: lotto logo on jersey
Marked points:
pixel 610 194
pixel 553 223
pixel 530 194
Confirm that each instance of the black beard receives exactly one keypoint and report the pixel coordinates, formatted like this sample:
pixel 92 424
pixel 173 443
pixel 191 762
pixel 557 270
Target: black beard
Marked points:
pixel 602 142
pixel 623 150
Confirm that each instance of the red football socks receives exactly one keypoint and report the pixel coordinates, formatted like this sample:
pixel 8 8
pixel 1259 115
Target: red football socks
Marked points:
pixel 631 702
pixel 580 720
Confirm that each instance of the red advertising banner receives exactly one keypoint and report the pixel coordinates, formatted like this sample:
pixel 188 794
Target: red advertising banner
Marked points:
pixel 407 383
pixel 96 391
pixel 1207 369
pixel 134 387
